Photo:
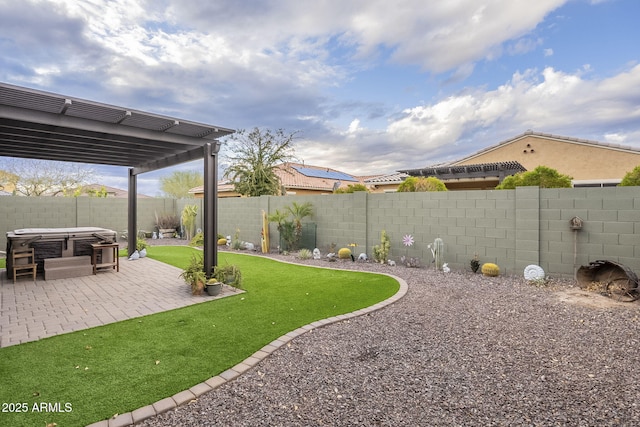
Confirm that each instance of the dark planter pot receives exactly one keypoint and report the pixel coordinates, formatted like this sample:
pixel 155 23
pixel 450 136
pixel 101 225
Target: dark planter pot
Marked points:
pixel 214 289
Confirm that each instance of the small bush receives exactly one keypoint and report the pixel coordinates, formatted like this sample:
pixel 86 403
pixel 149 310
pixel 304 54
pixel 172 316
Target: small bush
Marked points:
pixel 198 240
pixel 344 253
pixel 141 244
pixel 222 242
pixel 304 254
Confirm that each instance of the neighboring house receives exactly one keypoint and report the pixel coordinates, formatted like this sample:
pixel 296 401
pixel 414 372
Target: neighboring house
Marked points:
pixel 479 176
pixel 111 191
pixel 296 178
pixel 589 163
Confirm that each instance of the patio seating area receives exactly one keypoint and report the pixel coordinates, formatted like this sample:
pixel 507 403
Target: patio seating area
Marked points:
pixel 31 310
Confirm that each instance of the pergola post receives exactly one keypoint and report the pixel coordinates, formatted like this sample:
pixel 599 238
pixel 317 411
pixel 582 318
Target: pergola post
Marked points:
pixel 132 213
pixel 210 220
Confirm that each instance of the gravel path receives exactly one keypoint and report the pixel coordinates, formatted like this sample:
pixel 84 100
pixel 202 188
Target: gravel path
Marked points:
pixel 458 350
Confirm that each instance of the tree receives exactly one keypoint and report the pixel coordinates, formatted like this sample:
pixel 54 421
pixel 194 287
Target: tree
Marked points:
pixel 6 180
pixel 421 184
pixel 631 178
pixel 92 192
pixel 178 184
pixel 254 159
pixel 30 177
pixel 351 188
pixel 542 176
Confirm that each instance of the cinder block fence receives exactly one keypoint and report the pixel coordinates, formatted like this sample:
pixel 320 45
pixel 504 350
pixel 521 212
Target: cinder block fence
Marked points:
pixel 513 228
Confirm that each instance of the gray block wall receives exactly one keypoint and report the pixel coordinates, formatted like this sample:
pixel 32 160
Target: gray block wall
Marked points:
pixel 513 228
pixel 54 212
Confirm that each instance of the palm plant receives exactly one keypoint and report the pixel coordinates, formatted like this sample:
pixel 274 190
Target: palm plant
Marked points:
pixel 279 218
pixel 299 212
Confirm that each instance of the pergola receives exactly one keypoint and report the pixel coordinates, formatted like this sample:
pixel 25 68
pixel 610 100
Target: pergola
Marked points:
pixel 498 170
pixel 42 125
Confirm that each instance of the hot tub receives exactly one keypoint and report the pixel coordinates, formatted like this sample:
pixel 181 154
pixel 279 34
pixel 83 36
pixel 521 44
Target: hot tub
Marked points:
pixel 57 243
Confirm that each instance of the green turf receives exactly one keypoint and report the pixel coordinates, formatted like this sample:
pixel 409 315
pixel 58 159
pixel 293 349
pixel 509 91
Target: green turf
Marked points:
pixel 123 366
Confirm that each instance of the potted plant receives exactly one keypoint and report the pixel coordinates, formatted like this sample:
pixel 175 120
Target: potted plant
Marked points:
pixel 214 287
pixel 194 275
pixel 229 275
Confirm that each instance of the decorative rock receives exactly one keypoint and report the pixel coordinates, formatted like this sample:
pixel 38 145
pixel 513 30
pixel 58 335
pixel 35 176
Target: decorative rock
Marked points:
pixel 533 272
pixel 391 262
pixel 362 257
pixel 134 256
pixel 143 253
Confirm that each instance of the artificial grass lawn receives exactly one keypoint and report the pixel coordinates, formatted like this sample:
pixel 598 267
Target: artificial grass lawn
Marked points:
pixel 123 366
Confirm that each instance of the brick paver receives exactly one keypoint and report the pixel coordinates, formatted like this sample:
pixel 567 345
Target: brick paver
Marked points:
pixel 33 310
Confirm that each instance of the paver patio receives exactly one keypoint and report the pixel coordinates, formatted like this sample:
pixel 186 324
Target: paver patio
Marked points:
pixel 32 310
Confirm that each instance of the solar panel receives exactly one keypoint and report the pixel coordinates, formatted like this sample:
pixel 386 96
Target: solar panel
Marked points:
pixel 323 173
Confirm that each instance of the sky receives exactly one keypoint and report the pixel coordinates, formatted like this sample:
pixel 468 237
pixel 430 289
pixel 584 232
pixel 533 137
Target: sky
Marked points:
pixel 369 86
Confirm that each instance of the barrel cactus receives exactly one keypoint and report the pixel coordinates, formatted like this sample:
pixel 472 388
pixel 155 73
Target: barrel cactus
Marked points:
pixel 344 253
pixel 490 269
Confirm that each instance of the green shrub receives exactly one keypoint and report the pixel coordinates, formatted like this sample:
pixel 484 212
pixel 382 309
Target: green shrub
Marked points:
pixel 421 184
pixel 198 240
pixel 631 178
pixel 542 176
pixel 304 254
pixel 141 244
pixel 351 188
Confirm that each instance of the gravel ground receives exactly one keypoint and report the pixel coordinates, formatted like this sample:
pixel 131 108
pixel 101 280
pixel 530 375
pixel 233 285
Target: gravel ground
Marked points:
pixel 458 350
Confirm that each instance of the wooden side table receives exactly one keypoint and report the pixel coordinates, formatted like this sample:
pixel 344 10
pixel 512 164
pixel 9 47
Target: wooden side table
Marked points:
pixel 115 261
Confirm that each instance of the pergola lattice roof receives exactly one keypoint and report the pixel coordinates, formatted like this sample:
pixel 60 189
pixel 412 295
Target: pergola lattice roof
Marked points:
pixel 481 170
pixel 43 125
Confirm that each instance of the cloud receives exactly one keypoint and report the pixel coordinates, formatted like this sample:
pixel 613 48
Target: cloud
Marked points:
pixel 547 101
pixel 284 64
pixel 266 40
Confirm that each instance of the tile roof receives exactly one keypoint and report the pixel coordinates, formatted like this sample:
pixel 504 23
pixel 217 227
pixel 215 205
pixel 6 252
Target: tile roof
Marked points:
pixel 292 177
pixel 298 175
pixel 111 191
